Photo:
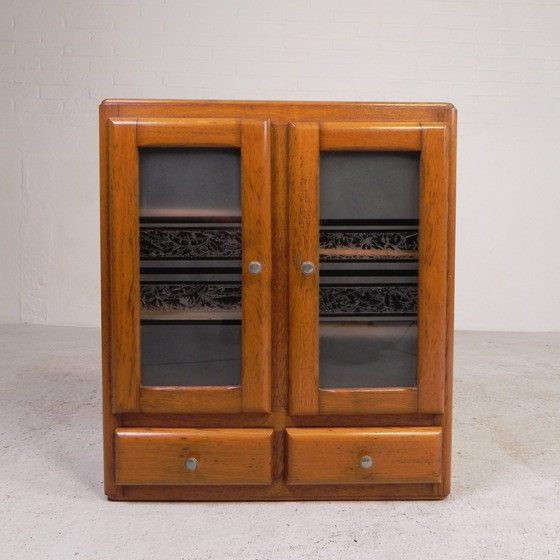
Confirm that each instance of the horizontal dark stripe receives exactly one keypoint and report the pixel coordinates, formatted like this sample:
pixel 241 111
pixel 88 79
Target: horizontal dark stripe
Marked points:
pixel 187 259
pixel 372 285
pixel 189 270
pixel 193 322
pixel 372 272
pixel 190 219
pixel 321 315
pixel 187 282
pixel 367 260
pixel 342 223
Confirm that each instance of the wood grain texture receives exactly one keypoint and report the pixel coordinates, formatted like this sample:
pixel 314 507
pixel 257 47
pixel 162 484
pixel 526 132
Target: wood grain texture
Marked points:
pixel 371 136
pixel 445 420
pixel 284 111
pixel 280 258
pixel 278 420
pixel 369 253
pixel 109 421
pixel 256 246
pixel 253 137
pixel 190 400
pixel 432 275
pixel 368 401
pixel 281 491
pixel 332 455
pixel 157 456
pixel 221 408
pixel 304 289
pixel 125 255
pixel 197 133
pixel 402 136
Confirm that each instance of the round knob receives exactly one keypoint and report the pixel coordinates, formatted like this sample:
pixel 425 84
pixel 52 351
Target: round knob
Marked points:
pixel 255 267
pixel 366 462
pixel 307 268
pixel 191 464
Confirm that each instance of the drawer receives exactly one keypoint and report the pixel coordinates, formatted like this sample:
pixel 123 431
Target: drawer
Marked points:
pixel 193 456
pixel 363 455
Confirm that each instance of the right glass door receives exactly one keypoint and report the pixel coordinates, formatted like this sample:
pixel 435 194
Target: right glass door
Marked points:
pixel 368 267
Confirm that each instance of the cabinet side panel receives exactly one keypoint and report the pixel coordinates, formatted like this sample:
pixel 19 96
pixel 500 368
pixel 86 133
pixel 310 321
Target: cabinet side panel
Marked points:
pixel 109 423
pixel 444 488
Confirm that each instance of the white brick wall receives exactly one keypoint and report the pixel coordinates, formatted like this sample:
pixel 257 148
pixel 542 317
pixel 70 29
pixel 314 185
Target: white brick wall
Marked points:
pixel 497 60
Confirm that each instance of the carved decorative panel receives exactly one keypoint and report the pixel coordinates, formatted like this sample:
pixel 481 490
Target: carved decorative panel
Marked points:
pixel 187 243
pixel 382 300
pixel 199 296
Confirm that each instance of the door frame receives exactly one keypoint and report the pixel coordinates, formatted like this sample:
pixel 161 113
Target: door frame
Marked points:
pixel 125 137
pixel 306 141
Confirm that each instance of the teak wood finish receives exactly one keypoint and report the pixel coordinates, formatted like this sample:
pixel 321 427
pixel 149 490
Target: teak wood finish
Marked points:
pixel 252 136
pixel 278 436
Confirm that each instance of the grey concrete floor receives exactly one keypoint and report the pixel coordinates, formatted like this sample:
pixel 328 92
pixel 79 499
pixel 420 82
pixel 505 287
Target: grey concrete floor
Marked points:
pixel 505 502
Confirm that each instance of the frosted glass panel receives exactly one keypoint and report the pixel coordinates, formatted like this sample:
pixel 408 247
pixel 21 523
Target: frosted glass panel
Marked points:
pixel 368 282
pixel 194 182
pixel 195 354
pixel 369 185
pixel 367 354
pixel 190 268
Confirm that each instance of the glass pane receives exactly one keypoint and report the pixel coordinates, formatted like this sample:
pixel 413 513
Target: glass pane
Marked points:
pixel 368 290
pixel 190 353
pixel 369 185
pixel 190 251
pixel 368 354
pixel 195 182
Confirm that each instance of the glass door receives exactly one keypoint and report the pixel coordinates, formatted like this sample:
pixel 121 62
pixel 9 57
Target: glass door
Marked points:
pixel 191 264
pixel 367 268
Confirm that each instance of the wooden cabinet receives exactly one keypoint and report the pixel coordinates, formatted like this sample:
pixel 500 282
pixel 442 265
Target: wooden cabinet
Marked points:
pixel 277 299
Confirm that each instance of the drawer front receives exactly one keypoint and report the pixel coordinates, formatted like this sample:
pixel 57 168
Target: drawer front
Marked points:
pixel 193 456
pixel 363 455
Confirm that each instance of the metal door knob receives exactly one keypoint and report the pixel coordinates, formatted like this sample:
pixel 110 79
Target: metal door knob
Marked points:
pixel 255 267
pixel 191 464
pixel 366 462
pixel 307 268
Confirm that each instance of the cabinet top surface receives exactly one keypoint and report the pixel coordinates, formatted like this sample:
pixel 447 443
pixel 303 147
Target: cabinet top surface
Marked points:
pixel 280 110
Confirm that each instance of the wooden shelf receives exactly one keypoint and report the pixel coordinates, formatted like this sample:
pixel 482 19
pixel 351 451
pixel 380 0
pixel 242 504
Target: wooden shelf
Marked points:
pixel 369 253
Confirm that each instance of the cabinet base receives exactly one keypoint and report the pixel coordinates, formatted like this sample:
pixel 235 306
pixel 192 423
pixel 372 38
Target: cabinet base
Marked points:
pixel 278 491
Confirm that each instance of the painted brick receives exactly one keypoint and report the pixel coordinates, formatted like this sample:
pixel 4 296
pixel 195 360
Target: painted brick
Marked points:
pixel 60 92
pixel 11 61
pixel 496 59
pixel 38 106
pixel 128 78
pixel 7 75
pixel 7 48
pixel 88 48
pixel 89 22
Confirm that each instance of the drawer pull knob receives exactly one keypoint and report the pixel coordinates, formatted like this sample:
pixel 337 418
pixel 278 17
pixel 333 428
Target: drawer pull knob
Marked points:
pixel 255 267
pixel 307 268
pixel 366 462
pixel 191 464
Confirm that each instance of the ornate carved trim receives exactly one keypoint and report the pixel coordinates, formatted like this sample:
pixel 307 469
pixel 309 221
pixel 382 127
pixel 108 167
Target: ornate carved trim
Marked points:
pixel 178 297
pixel 199 243
pixel 393 300
pixel 402 240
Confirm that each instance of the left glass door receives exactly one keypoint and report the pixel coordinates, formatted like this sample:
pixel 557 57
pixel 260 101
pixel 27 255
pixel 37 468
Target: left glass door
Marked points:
pixel 190 265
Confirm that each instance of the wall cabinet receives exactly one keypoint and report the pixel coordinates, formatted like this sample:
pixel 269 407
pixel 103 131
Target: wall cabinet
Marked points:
pixel 277 299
